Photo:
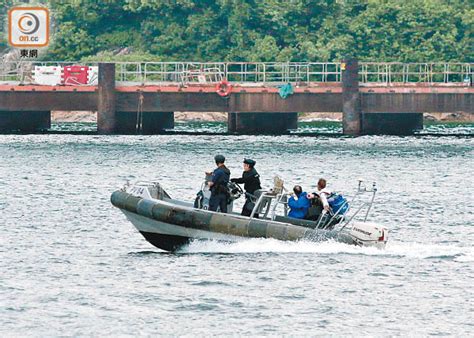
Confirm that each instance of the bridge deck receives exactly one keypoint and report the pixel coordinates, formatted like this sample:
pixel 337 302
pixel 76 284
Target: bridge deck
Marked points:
pixel 323 97
pixel 314 88
pixel 125 91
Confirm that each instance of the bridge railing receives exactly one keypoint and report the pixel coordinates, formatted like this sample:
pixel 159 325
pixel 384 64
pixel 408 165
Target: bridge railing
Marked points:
pixel 252 73
pixel 163 72
pixel 395 72
pixel 129 72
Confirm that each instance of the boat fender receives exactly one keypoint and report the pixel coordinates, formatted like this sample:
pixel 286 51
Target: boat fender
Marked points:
pixel 223 88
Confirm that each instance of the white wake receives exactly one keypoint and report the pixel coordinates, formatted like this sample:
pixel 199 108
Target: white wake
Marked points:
pixel 393 248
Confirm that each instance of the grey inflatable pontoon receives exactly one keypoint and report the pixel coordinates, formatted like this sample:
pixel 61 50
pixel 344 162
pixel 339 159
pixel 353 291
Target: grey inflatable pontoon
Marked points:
pixel 170 224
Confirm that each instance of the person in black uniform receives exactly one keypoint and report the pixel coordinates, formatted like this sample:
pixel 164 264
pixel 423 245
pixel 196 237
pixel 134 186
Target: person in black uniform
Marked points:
pixel 218 185
pixel 251 180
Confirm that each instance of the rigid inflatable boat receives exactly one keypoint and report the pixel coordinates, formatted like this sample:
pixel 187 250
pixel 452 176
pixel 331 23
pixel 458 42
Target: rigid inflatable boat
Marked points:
pixel 169 223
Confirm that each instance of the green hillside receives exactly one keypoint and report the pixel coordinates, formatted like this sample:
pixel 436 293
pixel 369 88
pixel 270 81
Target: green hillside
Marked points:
pixel 267 30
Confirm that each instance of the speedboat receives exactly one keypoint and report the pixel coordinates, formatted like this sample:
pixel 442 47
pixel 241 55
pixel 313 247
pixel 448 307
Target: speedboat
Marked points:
pixel 170 224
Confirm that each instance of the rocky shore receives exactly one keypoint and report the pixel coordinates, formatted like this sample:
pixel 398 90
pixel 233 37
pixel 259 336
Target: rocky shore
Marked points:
pixel 88 116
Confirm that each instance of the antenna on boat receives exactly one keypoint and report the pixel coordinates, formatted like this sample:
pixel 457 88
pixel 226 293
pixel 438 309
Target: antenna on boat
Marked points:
pixel 374 191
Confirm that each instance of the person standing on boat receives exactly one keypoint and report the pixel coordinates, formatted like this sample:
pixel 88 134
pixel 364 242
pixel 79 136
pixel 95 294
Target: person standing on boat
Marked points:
pixel 218 185
pixel 251 180
pixel 299 203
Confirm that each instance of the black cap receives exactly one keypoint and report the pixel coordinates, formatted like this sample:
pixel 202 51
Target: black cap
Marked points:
pixel 249 162
pixel 219 159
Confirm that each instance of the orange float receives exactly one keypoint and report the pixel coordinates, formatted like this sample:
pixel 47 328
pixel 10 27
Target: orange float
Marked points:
pixel 223 88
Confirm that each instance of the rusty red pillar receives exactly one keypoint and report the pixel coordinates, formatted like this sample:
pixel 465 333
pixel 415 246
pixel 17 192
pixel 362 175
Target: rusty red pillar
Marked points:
pixel 351 120
pixel 106 114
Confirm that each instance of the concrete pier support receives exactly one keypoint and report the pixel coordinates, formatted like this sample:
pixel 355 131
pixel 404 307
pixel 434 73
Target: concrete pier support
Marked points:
pixel 126 123
pixel 148 123
pixel 106 114
pixel 391 123
pixel 356 122
pixel 25 121
pixel 351 119
pixel 261 123
pixel 156 122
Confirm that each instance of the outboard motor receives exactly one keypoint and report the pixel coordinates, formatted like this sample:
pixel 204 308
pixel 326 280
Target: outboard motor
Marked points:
pixel 368 234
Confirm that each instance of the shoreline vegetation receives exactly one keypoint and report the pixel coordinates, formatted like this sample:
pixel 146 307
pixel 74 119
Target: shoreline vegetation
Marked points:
pixel 257 31
pixel 90 116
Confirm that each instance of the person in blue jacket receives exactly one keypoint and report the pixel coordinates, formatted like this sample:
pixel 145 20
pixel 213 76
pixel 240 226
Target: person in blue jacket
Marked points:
pixel 298 203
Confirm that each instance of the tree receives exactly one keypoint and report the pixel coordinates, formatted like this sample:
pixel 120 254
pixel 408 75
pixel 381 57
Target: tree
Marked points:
pixel 261 30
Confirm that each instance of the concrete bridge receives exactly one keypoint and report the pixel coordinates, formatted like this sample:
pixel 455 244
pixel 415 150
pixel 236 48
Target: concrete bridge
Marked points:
pixel 375 98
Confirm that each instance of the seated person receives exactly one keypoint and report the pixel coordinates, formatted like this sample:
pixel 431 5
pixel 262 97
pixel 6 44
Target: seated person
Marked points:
pixel 319 201
pixel 298 203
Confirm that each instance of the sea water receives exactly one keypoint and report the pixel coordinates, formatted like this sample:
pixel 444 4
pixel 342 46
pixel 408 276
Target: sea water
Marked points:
pixel 71 264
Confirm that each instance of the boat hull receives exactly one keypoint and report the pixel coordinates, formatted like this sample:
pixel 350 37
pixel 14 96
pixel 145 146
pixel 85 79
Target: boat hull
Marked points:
pixel 169 225
pixel 171 237
pixel 166 242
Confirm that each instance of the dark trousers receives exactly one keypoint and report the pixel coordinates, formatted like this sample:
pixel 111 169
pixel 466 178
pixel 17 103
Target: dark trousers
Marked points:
pixel 314 212
pixel 218 201
pixel 248 207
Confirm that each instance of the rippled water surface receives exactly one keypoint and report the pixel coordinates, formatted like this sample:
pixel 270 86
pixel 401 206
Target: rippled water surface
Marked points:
pixel 71 264
pixel 319 127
